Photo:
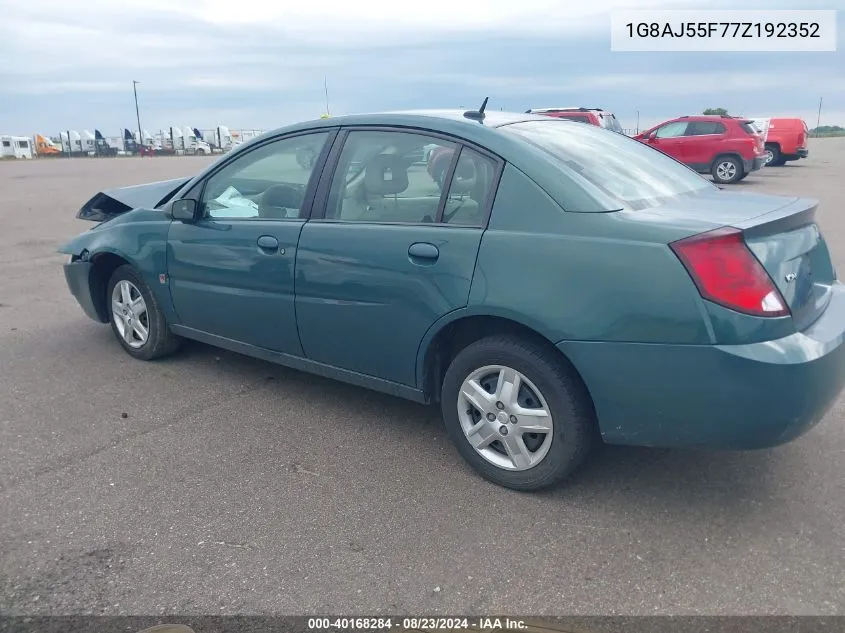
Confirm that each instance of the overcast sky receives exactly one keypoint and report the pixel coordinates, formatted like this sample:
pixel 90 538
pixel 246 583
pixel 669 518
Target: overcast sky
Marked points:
pixel 69 64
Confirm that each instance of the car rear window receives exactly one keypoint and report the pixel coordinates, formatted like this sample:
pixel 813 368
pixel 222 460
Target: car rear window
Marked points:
pixel 611 165
pixel 610 122
pixel 748 127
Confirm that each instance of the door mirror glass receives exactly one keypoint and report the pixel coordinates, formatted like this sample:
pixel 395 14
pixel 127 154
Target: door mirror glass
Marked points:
pixel 184 209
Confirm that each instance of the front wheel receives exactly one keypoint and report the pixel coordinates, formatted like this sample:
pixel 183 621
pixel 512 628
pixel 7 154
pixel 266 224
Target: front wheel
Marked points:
pixel 516 413
pixel 727 170
pixel 136 318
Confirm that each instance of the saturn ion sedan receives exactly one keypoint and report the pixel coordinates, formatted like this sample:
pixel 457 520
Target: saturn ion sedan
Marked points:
pixel 557 286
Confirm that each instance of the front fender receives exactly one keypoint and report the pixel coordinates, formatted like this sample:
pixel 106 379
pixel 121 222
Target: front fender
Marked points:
pixel 138 237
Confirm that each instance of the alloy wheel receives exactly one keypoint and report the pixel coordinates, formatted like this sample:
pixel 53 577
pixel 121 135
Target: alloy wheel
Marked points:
pixel 726 170
pixel 505 418
pixel 129 312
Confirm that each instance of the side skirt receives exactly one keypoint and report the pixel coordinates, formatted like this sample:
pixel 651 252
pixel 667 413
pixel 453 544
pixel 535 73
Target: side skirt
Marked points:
pixel 303 364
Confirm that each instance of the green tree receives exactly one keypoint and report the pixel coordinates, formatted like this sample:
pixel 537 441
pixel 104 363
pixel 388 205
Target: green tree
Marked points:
pixel 717 111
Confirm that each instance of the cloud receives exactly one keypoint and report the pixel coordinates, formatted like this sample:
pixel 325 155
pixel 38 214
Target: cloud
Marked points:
pixel 259 64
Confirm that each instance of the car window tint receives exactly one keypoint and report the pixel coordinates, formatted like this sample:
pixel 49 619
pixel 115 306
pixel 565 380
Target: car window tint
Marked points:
pixel 604 164
pixel 389 177
pixel 582 118
pixel 672 130
pixel 268 182
pixel 700 128
pixel 470 189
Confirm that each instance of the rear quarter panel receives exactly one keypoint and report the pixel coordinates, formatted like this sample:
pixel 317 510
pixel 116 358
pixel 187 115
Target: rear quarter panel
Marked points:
pixel 583 276
pixel 139 237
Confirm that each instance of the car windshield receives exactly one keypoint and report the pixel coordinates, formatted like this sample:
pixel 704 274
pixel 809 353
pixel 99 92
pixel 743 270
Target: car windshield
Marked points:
pixel 611 164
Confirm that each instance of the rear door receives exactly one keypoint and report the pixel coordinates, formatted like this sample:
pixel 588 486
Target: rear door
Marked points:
pixel 702 141
pixel 389 251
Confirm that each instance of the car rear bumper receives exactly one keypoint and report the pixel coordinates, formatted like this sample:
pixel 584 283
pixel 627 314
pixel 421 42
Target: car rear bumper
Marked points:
pixel 78 276
pixel 716 396
pixel 753 164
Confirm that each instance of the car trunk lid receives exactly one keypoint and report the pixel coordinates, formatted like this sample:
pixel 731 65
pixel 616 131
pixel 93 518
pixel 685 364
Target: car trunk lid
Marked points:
pixel 790 246
pixel 781 232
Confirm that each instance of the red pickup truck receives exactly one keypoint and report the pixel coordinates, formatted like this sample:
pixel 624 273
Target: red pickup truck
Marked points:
pixel 785 139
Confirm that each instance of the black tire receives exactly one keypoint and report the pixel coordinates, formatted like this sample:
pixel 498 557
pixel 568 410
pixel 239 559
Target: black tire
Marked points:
pixel 777 158
pixel 574 426
pixel 160 340
pixel 738 170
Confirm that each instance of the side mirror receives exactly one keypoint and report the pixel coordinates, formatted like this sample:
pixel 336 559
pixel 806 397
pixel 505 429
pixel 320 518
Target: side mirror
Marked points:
pixel 184 209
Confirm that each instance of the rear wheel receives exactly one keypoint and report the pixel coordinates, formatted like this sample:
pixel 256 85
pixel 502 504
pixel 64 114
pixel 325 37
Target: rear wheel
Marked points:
pixel 136 318
pixel 773 157
pixel 516 413
pixel 726 170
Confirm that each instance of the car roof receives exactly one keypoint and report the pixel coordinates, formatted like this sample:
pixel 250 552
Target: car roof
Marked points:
pixel 435 120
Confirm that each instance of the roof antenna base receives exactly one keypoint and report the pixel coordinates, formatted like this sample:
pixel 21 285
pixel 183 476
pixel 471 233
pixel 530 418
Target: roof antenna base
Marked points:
pixel 477 115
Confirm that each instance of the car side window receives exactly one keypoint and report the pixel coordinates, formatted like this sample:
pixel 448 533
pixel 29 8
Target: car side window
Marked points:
pixel 268 182
pixel 470 189
pixel 393 177
pixel 672 130
pixel 701 128
pixel 581 118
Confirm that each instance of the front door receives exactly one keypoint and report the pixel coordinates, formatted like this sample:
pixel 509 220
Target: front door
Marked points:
pixel 232 271
pixel 392 252
pixel 669 139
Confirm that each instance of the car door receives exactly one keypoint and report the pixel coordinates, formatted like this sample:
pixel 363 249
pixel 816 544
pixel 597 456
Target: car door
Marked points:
pixel 703 141
pixel 390 251
pixel 231 271
pixel 669 139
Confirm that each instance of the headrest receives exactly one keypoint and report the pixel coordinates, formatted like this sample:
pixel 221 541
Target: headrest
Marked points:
pixel 386 174
pixel 282 196
pixel 279 196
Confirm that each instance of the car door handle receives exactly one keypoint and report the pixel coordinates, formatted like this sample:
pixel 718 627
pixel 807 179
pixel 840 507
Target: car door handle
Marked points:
pixel 423 250
pixel 268 243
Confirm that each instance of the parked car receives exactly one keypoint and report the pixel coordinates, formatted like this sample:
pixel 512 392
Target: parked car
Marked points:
pixel 726 147
pixel 785 139
pixel 578 286
pixel 593 116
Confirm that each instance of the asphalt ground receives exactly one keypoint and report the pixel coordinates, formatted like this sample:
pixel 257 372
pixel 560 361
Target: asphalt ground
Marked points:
pixel 212 483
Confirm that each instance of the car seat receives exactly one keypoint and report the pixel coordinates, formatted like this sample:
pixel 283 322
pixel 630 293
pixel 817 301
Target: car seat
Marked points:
pixel 280 201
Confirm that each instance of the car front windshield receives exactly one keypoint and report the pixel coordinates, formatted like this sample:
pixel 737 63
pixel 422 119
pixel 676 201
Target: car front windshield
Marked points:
pixel 611 164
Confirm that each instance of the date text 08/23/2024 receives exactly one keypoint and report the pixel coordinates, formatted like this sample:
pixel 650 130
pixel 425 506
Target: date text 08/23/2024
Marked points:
pixel 416 623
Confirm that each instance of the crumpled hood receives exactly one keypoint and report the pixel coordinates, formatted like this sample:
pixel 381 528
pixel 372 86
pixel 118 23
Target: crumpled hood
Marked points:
pixel 109 203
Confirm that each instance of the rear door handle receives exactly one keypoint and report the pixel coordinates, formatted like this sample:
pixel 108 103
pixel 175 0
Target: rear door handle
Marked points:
pixel 423 250
pixel 268 243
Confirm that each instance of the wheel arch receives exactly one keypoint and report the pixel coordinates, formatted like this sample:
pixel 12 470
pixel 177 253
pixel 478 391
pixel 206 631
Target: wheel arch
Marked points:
pixel 460 328
pixel 728 154
pixel 103 264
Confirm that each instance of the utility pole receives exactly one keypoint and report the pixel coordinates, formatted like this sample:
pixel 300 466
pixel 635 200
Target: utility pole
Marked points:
pixel 638 122
pixel 819 118
pixel 326 90
pixel 137 113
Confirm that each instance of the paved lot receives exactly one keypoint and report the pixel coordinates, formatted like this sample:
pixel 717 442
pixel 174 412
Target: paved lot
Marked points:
pixel 214 483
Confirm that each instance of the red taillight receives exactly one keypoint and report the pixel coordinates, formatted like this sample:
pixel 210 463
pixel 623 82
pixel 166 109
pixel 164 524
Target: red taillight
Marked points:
pixel 726 272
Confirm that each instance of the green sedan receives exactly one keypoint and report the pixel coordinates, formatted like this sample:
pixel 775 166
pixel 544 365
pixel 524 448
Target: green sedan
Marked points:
pixel 562 286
